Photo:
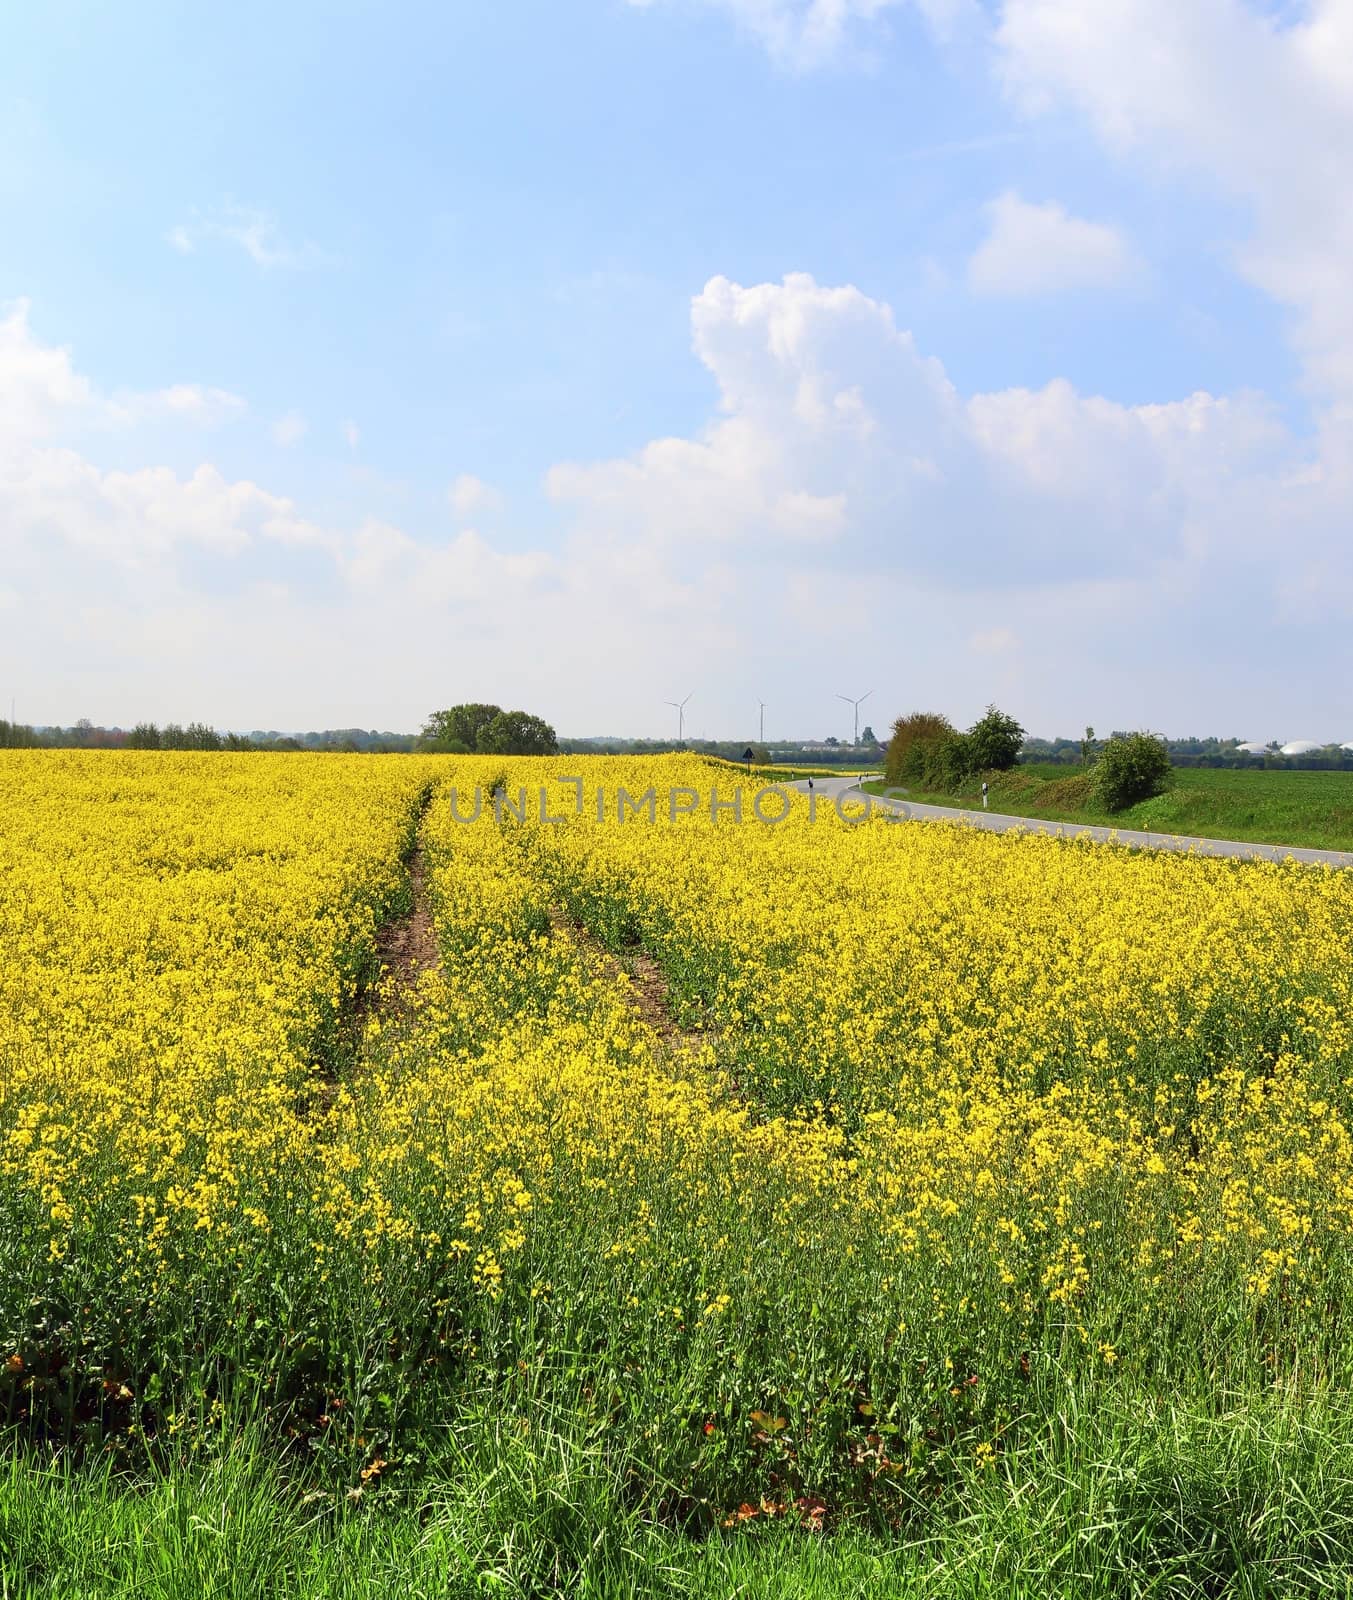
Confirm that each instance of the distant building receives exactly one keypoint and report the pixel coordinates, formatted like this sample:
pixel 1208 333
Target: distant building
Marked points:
pixel 1254 748
pixel 1301 747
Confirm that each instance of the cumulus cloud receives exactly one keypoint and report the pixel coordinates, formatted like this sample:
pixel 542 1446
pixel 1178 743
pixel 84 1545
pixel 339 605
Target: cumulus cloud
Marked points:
pixel 471 496
pixel 38 384
pixel 41 391
pixel 1262 107
pixel 1083 559
pixel 840 447
pixel 836 434
pixel 1040 248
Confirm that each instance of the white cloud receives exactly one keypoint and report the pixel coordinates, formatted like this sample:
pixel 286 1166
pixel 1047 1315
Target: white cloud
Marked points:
pixel 289 429
pixel 38 385
pixel 1263 110
pixel 254 232
pixel 1041 249
pixel 833 428
pixel 804 34
pixel 471 496
pixel 40 391
pixel 352 434
pixel 845 503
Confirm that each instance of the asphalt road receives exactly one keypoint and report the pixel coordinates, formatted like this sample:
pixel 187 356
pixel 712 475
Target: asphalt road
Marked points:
pixel 997 822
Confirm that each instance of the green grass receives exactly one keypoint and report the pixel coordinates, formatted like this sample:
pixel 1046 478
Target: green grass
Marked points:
pixel 1313 809
pixel 1164 1502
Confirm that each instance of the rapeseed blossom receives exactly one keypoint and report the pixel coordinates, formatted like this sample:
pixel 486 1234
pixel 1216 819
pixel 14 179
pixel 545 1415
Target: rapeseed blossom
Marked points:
pixel 850 1126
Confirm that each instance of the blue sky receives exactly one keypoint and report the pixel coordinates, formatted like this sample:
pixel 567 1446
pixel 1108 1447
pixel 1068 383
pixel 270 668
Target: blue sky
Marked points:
pixel 358 359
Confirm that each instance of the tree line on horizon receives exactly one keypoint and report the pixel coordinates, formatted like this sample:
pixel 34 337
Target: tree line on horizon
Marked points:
pixel 85 735
pixel 461 735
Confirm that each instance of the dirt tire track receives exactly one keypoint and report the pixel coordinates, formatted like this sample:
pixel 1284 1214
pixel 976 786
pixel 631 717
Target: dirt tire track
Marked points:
pixel 406 948
pixel 648 986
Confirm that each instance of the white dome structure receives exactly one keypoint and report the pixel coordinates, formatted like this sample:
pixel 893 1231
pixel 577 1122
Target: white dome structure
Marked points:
pixel 1253 748
pixel 1348 747
pixel 1301 747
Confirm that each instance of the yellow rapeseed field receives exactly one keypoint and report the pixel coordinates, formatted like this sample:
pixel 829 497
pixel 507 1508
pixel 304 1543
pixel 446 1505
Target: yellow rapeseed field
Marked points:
pixel 809 1157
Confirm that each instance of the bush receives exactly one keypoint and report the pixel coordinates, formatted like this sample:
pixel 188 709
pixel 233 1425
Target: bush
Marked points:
pixel 951 764
pixel 1131 767
pixel 1067 794
pixel 913 745
pixel 926 749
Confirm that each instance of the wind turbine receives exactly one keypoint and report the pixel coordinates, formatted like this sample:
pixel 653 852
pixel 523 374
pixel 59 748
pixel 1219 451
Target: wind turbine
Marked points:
pixel 761 738
pixel 857 704
pixel 679 706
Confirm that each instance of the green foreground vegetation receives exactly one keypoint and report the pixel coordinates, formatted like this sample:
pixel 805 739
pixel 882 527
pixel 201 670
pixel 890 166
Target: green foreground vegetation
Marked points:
pixel 1154 1500
pixel 1312 809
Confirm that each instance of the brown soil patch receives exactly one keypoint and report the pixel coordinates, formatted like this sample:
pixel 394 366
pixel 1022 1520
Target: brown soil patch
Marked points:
pixel 407 949
pixel 407 946
pixel 648 987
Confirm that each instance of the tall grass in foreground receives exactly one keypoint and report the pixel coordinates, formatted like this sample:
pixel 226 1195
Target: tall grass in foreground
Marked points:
pixel 1152 1502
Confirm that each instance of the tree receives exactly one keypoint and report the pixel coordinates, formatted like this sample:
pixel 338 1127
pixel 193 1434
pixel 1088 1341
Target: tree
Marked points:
pixel 994 742
pixel 867 737
pixel 16 735
pixel 517 733
pixel 1087 745
pixel 487 730
pixel 144 736
pixel 457 730
pixel 1131 767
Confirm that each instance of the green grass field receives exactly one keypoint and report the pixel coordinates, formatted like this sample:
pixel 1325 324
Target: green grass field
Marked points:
pixel 1313 809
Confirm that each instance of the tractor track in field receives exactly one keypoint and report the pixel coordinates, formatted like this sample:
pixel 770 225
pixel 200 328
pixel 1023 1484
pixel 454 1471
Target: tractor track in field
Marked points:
pixel 406 944
pixel 650 992
pixel 406 948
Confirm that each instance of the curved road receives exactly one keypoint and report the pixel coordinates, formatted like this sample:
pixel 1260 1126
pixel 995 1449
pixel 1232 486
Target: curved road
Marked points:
pixel 997 822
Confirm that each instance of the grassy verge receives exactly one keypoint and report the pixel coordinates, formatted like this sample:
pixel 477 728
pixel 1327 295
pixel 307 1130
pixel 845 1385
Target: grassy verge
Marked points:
pixel 1313 809
pixel 1164 1502
pixel 792 774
